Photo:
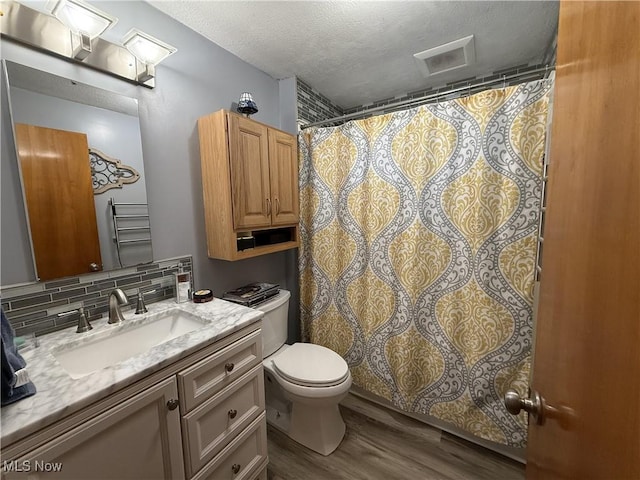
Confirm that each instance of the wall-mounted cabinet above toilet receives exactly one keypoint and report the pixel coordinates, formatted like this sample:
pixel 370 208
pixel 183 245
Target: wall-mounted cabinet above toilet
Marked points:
pixel 250 186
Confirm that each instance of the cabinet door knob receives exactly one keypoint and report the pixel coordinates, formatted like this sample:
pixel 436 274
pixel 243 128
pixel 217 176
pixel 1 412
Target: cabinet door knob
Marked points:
pixel 235 468
pixel 277 206
pixel 229 366
pixel 268 206
pixel 232 413
pixel 172 404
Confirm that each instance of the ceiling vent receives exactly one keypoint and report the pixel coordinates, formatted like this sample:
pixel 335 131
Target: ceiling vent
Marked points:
pixel 452 55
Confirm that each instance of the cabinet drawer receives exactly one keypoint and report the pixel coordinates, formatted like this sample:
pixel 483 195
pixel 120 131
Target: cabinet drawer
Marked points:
pixel 245 455
pixel 208 428
pixel 207 377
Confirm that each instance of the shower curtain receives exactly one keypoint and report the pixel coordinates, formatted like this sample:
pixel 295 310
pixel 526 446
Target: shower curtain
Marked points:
pixel 418 244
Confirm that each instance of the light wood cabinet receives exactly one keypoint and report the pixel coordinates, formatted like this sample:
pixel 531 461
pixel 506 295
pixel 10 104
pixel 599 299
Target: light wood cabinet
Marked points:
pixel 250 186
pixel 202 417
pixel 283 175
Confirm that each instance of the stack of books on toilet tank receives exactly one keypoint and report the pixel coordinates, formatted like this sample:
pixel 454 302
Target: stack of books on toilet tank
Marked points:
pixel 252 294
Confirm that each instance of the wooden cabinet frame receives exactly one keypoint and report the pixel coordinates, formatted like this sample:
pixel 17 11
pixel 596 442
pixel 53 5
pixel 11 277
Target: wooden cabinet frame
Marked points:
pixel 250 183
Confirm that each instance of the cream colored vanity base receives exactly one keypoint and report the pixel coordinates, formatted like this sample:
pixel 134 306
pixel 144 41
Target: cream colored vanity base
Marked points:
pixel 263 474
pixel 202 417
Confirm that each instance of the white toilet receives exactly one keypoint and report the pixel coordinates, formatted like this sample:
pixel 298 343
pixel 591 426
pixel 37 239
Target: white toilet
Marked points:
pixel 303 382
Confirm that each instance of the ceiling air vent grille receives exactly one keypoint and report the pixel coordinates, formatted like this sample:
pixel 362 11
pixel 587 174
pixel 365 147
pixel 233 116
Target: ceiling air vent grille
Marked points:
pixel 452 55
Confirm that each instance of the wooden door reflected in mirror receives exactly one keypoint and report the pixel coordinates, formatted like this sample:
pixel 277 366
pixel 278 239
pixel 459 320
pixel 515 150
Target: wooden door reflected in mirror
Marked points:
pixel 59 195
pixel 111 125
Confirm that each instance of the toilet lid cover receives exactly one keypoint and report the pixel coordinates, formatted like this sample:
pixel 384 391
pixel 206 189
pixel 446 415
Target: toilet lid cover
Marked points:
pixel 306 363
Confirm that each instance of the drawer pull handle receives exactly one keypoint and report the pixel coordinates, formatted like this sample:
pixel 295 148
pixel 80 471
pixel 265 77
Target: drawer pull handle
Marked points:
pixel 232 413
pixel 172 404
pixel 235 468
pixel 229 367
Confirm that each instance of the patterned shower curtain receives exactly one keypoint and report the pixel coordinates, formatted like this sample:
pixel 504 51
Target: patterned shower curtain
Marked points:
pixel 417 263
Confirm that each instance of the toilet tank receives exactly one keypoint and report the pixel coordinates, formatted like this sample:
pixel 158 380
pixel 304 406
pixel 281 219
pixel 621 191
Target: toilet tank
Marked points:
pixel 274 322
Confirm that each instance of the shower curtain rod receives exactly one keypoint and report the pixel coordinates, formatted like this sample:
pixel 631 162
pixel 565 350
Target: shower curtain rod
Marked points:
pixel 426 98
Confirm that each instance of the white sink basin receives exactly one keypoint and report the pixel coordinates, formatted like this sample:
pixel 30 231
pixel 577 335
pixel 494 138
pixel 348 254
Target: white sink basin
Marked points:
pixel 126 342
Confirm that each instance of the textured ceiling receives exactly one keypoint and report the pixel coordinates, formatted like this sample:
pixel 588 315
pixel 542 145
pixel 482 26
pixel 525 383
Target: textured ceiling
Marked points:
pixel 356 52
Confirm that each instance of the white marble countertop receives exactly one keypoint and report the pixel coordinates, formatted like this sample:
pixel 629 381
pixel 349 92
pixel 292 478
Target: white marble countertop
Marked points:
pixel 59 395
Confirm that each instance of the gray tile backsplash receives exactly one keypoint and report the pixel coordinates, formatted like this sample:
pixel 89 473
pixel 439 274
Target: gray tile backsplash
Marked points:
pixel 34 308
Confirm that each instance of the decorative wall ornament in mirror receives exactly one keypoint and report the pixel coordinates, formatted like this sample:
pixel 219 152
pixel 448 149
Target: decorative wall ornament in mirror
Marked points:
pixel 108 173
pixel 65 229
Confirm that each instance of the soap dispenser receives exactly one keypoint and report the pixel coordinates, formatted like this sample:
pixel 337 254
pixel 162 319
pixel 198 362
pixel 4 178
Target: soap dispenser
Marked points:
pixel 183 286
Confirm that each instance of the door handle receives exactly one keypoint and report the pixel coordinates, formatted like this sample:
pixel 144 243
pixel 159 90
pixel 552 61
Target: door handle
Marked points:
pixel 534 405
pixel 277 206
pixel 268 206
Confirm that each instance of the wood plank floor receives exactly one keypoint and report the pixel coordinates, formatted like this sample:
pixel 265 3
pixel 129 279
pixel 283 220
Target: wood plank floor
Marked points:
pixel 386 445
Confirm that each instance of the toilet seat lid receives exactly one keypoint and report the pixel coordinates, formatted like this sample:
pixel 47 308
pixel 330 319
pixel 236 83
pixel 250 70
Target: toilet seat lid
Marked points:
pixel 312 365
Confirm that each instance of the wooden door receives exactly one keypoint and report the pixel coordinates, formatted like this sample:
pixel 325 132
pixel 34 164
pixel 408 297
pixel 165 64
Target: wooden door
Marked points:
pixel 587 353
pixel 139 438
pixel 283 165
pixel 59 194
pixel 248 154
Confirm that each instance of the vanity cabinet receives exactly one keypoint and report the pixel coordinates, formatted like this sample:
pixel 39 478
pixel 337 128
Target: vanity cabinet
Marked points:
pixel 139 438
pixel 202 417
pixel 250 186
pixel 221 396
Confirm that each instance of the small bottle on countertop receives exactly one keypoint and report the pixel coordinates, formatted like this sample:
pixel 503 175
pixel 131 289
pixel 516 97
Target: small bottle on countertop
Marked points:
pixel 183 287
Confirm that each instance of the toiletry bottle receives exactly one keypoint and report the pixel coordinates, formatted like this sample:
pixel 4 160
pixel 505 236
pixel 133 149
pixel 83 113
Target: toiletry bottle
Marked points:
pixel 183 286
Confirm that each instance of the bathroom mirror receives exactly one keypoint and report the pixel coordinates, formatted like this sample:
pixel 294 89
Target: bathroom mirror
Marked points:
pixel 74 199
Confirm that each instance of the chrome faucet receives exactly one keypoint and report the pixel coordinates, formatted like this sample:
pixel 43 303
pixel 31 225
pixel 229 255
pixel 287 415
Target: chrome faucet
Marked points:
pixel 116 298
